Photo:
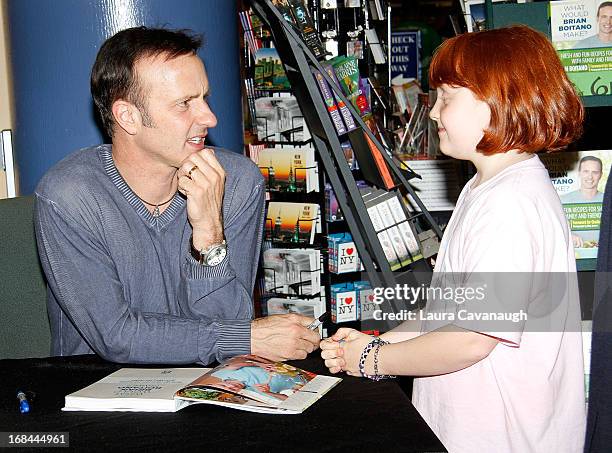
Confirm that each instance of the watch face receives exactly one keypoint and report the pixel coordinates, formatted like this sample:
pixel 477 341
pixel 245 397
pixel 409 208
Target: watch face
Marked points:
pixel 216 255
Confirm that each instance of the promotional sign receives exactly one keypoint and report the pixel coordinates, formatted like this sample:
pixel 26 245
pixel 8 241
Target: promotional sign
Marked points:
pixel 581 31
pixel 580 179
pixel 405 54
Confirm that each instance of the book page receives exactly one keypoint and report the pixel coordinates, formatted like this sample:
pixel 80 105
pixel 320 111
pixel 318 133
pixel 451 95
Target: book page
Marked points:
pixel 256 378
pixel 134 389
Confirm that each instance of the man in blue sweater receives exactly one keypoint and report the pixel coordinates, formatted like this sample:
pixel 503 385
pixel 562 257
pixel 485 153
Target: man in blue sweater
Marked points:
pixel 150 245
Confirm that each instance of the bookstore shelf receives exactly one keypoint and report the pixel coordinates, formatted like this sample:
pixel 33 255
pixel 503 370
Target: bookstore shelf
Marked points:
pixel 299 63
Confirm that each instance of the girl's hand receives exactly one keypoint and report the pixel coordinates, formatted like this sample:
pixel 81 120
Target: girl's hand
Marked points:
pixel 342 351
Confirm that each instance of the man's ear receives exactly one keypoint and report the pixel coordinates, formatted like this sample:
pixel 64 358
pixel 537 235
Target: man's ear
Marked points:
pixel 127 116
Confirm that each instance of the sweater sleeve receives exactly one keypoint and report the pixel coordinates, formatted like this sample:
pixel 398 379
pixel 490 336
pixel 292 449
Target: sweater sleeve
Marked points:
pixel 225 291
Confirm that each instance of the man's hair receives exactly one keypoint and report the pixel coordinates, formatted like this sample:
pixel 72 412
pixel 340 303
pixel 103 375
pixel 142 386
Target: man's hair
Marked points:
pixel 603 5
pixel 517 72
pixel 591 159
pixel 113 75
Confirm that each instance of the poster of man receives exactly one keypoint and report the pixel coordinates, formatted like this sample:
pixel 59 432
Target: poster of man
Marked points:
pixel 580 178
pixel 581 31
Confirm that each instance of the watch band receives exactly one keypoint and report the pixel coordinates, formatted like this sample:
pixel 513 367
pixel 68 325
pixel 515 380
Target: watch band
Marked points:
pixel 201 255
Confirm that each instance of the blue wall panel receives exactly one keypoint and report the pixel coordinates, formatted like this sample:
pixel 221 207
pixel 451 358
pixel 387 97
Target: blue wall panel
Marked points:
pixel 53 44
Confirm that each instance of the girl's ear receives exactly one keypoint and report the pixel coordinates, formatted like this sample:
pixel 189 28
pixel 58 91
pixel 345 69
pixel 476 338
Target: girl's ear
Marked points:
pixel 483 114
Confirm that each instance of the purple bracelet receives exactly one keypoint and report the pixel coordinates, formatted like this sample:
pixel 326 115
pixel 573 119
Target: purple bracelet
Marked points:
pixel 378 342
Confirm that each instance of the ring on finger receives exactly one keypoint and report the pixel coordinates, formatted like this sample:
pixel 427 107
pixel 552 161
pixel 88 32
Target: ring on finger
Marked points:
pixel 194 168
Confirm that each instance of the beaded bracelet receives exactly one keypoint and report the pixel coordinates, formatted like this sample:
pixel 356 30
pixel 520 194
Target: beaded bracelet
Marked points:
pixel 378 342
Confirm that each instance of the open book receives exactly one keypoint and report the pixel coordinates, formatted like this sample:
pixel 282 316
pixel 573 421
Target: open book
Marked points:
pixel 245 382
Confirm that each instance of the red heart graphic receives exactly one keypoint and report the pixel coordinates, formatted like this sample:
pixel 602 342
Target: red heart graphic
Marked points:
pixel 371 297
pixel 348 300
pixel 349 251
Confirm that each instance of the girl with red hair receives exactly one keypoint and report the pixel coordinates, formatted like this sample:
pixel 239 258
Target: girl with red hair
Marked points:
pixel 515 386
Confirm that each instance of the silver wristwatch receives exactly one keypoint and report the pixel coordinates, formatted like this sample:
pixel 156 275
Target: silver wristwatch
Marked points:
pixel 210 256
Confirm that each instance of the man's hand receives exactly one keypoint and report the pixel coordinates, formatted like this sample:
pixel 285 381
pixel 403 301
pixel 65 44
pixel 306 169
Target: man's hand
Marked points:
pixel 283 337
pixel 202 180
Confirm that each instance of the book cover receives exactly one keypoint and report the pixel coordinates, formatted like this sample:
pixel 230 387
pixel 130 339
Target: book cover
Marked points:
pixel 291 222
pixel 580 31
pixel 245 382
pixel 285 10
pixel 287 169
pixel 344 111
pixel 279 119
pixel 306 26
pixel 347 73
pixel 580 179
pixel 292 271
pixel 332 107
pixel 269 70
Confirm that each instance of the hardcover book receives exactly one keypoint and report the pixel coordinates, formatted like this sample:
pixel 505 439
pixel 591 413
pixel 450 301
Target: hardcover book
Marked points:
pixel 245 382
pixel 386 243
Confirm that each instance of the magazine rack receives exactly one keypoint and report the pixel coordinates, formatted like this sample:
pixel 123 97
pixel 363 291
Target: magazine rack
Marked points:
pixel 298 61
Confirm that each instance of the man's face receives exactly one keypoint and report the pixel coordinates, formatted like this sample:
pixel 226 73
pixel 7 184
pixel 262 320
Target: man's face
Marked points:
pixel 175 94
pixel 590 174
pixel 604 19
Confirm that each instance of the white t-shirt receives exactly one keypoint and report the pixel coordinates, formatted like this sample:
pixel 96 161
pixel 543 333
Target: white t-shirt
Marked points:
pixel 528 394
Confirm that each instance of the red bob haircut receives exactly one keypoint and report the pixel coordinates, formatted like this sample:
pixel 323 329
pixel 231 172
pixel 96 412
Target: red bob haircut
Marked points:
pixel 517 72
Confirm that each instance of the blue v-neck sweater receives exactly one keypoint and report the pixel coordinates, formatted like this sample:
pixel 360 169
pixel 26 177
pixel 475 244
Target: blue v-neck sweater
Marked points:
pixel 122 283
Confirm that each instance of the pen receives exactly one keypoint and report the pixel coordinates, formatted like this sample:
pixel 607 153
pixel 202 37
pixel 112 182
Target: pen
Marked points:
pixel 317 322
pixel 24 405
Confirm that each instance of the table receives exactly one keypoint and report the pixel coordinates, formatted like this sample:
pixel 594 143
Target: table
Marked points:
pixel 356 414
